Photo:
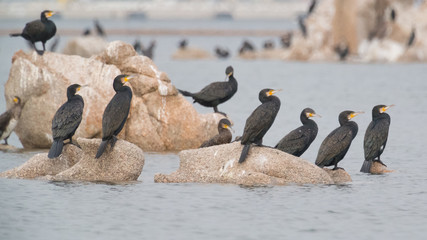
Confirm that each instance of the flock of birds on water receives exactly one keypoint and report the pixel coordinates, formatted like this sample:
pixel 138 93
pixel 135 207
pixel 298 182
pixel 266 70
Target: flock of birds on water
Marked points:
pixel 332 150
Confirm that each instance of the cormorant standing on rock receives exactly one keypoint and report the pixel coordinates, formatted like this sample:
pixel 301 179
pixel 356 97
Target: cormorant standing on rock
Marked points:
pixel 39 30
pixel 66 120
pixel 376 137
pixel 259 121
pixel 99 29
pixel 183 44
pixel 215 93
pixel 393 15
pixel 222 52
pixel 116 113
pixel 148 52
pixel 336 144
pixel 411 39
pixel 342 50
pixel 297 141
pixel 224 134
pixel 246 47
pixel 9 119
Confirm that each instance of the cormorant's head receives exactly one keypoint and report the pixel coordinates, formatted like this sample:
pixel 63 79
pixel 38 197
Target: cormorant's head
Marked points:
pixel 225 124
pixel 308 112
pixel 379 109
pixel 270 92
pixel 73 89
pixel 120 80
pixel 346 116
pixel 16 100
pixel 47 13
pixel 229 71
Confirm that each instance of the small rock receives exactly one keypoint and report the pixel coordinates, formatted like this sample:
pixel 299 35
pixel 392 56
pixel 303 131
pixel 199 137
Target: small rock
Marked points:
pixel 378 168
pixel 339 176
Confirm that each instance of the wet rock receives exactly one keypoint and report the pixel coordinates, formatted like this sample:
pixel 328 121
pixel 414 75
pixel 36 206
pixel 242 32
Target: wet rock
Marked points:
pixel 160 119
pixel 191 53
pixel 378 168
pixel 124 163
pixel 339 176
pixel 85 46
pixel 264 166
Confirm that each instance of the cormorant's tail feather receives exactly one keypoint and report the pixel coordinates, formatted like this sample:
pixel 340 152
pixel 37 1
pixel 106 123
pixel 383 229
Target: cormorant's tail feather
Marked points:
pixel 185 93
pixel 101 148
pixel 366 167
pixel 15 34
pixel 245 152
pixel 55 149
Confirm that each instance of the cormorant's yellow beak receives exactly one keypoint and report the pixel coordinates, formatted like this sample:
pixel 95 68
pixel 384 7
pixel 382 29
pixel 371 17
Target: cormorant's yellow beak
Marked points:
pixel 230 74
pixel 271 92
pixel 50 14
pixel 127 78
pixel 309 115
pixel 227 127
pixel 15 100
pixel 383 109
pixel 80 88
pixel 354 114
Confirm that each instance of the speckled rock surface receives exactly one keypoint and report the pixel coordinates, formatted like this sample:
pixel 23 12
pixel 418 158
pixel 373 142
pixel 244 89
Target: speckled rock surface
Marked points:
pixel 124 163
pixel 264 166
pixel 160 119
pixel 378 168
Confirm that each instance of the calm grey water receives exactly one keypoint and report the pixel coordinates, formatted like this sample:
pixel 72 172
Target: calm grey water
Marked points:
pixel 390 206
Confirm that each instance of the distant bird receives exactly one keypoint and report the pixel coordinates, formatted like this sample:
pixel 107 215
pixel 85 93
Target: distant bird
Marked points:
pixel 260 121
pixel 183 44
pixel 269 44
pixel 224 134
pixel 99 29
pixel 286 40
pixel 246 47
pixel 411 39
pixel 215 93
pixel 54 45
pixel 301 24
pixel 39 30
pixel 9 119
pixel 66 120
pixel 393 15
pixel 86 32
pixel 137 46
pixel 297 141
pixel 149 51
pixel 342 50
pixel 312 6
pixel 376 137
pixel 115 114
pixel 336 144
pixel 221 52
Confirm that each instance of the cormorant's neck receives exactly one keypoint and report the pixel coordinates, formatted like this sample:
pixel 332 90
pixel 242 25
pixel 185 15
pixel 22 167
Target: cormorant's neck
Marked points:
pixel 43 18
pixel 70 95
pixel 305 120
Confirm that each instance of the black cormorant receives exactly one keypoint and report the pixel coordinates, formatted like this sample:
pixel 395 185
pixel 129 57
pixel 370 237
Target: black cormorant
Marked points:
pixel 259 121
pixel 215 93
pixel 183 44
pixel 393 15
pixel 312 7
pixel 376 137
pixel 246 47
pixel 224 134
pixel 336 144
pixel 9 119
pixel 286 40
pixel 342 50
pixel 411 39
pixel 66 120
pixel 137 46
pixel 149 51
pixel 116 113
pixel 39 30
pixel 268 44
pixel 221 52
pixel 99 29
pixel 298 140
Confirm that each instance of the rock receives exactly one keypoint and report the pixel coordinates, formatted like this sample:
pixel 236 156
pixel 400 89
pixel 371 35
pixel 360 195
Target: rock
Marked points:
pixel 124 163
pixel 378 168
pixel 191 53
pixel 264 166
pixel 85 46
pixel 160 119
pixel 339 176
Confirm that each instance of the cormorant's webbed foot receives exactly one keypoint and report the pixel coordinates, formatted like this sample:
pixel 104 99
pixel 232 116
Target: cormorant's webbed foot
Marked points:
pixel 336 168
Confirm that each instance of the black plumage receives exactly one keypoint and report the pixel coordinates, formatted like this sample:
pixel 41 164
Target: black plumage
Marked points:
pixel 224 134
pixel 393 15
pixel 183 44
pixel 149 51
pixel 342 50
pixel 39 30
pixel 302 26
pixel 259 121
pixel 376 137
pixel 66 120
pixel 246 47
pixel 99 29
pixel 411 38
pixel 215 93
pixel 336 144
pixel 297 141
pixel 221 52
pixel 115 114
pixel 312 7
pixel 9 119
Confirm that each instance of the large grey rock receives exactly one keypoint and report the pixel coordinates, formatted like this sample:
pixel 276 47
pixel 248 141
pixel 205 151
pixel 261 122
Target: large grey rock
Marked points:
pixel 160 119
pixel 264 166
pixel 124 163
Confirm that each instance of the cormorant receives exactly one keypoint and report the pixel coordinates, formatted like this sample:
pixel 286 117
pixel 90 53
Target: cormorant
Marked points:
pixel 286 40
pixel 298 140
pixel 224 134
pixel 66 120
pixel 301 24
pixel 411 39
pixel 246 47
pixel 183 44
pixel 259 121
pixel 393 15
pixel 39 30
pixel 269 44
pixel 215 93
pixel 336 144
pixel 312 7
pixel 148 52
pixel 99 29
pixel 376 137
pixel 221 52
pixel 9 119
pixel 116 113
pixel 54 45
pixel 137 46
pixel 86 32
pixel 342 50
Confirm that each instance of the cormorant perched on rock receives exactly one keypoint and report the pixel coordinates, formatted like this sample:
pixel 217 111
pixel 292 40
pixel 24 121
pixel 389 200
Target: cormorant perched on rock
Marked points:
pixel 116 113
pixel 269 44
pixel 376 137
pixel 222 52
pixel 393 15
pixel 342 50
pixel 246 47
pixel 312 7
pixel 215 93
pixel 301 24
pixel 259 121
pixel 9 119
pixel 54 45
pixel 148 52
pixel 39 30
pixel 137 46
pixel 224 134
pixel 183 44
pixel 66 120
pixel 286 39
pixel 99 29
pixel 411 39
pixel 336 144
pixel 298 140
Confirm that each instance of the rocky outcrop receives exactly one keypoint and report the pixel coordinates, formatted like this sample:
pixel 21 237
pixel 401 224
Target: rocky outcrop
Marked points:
pixel 378 168
pixel 124 163
pixel 85 46
pixel 264 166
pixel 160 119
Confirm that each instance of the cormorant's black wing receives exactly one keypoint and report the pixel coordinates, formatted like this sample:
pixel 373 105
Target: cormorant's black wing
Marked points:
pixel 214 91
pixel 115 114
pixel 375 139
pixel 67 119
pixel 4 120
pixel 335 143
